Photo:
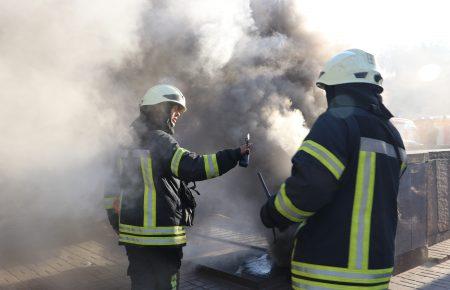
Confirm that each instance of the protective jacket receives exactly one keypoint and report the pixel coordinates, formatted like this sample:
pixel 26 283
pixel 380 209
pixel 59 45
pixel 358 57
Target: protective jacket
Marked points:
pixel 150 180
pixel 343 194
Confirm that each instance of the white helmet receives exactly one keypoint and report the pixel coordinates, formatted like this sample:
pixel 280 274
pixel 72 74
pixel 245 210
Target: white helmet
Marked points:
pixel 350 66
pixel 163 93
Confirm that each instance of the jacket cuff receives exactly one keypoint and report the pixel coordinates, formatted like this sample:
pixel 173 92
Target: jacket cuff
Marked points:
pixel 237 154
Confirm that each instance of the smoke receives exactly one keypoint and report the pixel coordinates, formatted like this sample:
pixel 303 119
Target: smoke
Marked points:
pixel 72 73
pixel 244 66
pixel 416 79
pixel 54 133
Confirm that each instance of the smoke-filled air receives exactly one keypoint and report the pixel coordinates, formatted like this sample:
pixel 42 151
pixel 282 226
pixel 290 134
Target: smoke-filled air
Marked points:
pixel 72 74
pixel 244 67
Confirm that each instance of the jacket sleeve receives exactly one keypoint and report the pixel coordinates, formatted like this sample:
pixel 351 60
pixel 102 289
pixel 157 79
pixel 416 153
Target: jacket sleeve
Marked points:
pixel 111 196
pixel 190 166
pixel 316 170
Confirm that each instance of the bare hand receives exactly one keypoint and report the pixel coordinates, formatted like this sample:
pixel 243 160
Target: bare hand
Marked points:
pixel 245 149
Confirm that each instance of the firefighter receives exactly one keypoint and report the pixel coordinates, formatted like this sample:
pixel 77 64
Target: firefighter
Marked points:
pixel 342 192
pixel 149 202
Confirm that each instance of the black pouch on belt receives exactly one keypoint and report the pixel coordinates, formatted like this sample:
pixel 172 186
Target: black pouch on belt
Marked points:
pixel 188 203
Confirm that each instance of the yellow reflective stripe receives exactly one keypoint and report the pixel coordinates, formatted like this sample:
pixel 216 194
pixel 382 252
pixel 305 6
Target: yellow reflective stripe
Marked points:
pixel 298 283
pixel 343 270
pixel 341 274
pixel 152 241
pixel 149 191
pixel 175 163
pixel 342 279
pixel 403 168
pixel 108 202
pixel 144 168
pixel 324 156
pixel 287 209
pixel 362 211
pixel 368 211
pixel 120 164
pixel 153 200
pixel 211 166
pixel 130 229
pixel 173 281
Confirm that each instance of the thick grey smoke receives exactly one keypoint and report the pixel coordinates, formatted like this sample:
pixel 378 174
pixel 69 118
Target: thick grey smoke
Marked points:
pixel 72 73
pixel 54 132
pixel 244 66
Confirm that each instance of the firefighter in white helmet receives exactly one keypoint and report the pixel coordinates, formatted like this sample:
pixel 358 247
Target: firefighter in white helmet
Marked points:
pixel 150 203
pixel 342 193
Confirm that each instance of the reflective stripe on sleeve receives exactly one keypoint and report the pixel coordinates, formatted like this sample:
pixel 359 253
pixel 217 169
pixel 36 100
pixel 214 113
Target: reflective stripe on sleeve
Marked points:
pixel 403 168
pixel 108 202
pixel 149 231
pixel 403 155
pixel 287 209
pixel 338 274
pixel 362 211
pixel 211 166
pixel 324 156
pixel 175 163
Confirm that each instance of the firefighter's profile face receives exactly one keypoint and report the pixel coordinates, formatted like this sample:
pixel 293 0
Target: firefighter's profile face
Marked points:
pixel 175 113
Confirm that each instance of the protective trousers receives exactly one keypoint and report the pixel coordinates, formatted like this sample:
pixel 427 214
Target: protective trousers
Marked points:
pixel 154 268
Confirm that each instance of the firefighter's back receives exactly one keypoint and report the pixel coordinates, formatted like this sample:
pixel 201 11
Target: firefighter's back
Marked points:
pixel 350 241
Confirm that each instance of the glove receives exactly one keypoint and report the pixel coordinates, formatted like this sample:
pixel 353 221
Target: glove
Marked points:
pixel 265 217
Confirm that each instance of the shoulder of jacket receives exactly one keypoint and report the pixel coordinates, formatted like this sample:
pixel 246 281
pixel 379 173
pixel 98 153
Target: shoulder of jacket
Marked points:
pixel 396 134
pixel 162 135
pixel 345 112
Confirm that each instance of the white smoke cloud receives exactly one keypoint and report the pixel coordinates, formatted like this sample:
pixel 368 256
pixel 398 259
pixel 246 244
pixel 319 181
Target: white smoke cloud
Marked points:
pixel 71 74
pixel 54 130
pixel 51 55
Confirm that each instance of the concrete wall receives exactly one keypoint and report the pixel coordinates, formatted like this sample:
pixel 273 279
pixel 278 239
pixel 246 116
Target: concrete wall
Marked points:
pixel 424 202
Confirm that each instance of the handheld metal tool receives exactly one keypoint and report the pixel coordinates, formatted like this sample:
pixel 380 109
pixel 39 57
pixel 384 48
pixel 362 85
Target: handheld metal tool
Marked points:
pixel 245 159
pixel 268 195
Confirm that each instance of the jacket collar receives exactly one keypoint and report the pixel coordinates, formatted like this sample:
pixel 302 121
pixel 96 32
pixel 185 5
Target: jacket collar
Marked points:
pixel 358 95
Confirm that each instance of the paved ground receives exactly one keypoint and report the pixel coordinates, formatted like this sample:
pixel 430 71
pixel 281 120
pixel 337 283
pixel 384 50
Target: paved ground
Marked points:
pixel 101 264
pixel 434 275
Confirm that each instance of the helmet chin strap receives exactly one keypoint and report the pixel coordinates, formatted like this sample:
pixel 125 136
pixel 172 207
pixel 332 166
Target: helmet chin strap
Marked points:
pixel 170 125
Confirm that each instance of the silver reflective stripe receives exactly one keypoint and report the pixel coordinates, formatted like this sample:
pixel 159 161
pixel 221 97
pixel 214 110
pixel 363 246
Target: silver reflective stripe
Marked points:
pixel 378 146
pixel 362 210
pixel 140 153
pixel 108 202
pixel 175 163
pixel 153 240
pixel 151 231
pixel 149 189
pixel 329 160
pixel 211 166
pixel 403 154
pixel 333 274
pixel 286 211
